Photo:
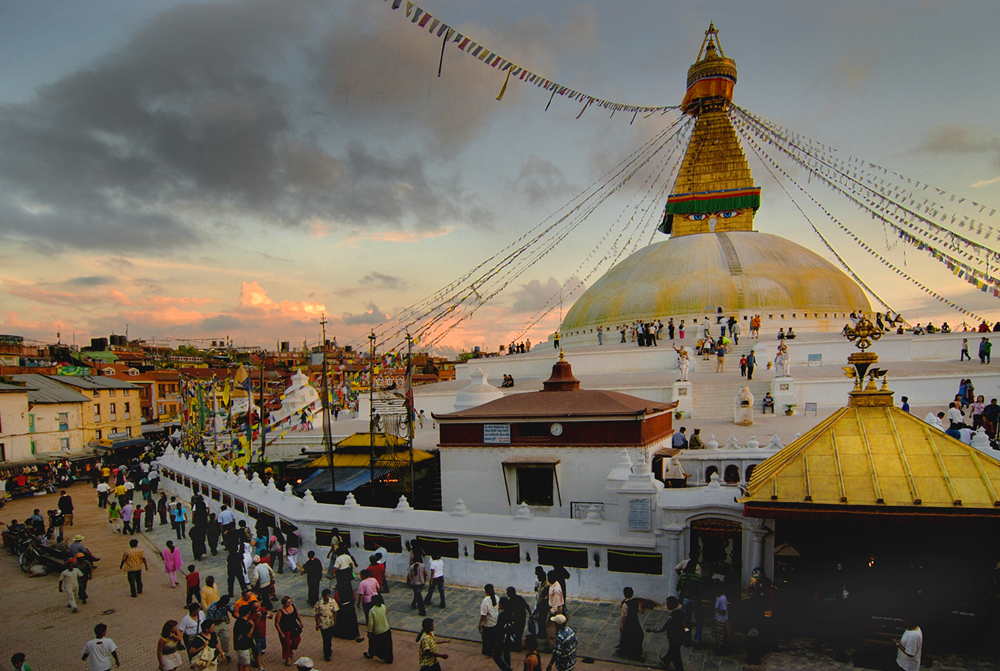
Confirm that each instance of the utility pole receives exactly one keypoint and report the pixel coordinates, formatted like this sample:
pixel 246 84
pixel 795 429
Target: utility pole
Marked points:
pixel 260 414
pixel 371 405
pixel 327 438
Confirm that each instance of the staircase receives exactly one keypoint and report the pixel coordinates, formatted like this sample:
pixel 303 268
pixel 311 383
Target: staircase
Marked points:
pixel 714 393
pixel 735 267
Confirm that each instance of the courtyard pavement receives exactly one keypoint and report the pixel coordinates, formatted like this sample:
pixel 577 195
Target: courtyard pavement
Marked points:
pixel 38 623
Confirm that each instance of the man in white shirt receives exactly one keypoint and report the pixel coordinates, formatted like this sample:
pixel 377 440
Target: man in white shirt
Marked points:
pixel 437 579
pixel 263 582
pixel 909 647
pixel 103 490
pixel 101 650
pixel 955 414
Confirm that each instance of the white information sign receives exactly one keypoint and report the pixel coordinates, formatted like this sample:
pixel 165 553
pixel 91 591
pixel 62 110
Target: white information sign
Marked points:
pixel 639 517
pixel 496 434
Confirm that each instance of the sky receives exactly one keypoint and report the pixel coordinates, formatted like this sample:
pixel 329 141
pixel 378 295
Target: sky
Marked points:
pixel 210 170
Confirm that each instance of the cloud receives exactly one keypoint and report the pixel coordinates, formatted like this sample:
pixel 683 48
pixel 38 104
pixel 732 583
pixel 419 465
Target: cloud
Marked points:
pixel 541 180
pixel 534 295
pixel 372 316
pixel 381 281
pixel 191 123
pixel 90 281
pixel 375 65
pixel 253 298
pixel 985 182
pixel 959 139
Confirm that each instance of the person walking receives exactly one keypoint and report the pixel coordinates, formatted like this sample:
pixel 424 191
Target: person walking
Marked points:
pixel 343 572
pixel 437 580
pixel 69 584
pixel 65 505
pixel 564 649
pixel 427 652
pixel 519 611
pixel 115 517
pixel 133 562
pixel 751 362
pixel 172 562
pixel 289 626
pixel 313 568
pixel 204 651
pixel 103 490
pixel 212 533
pixel 416 576
pixel 180 521
pixel 126 514
pixel 219 611
pixel 503 636
pixel 169 647
pixel 325 612
pixel 263 582
pixel 556 608
pixel 100 650
pixel 150 514
pixel 379 633
pixel 243 643
pixel 676 626
pixel 964 354
pixel 489 609
pixel 366 591
pixel 630 631
pixel 909 647
pixel 161 507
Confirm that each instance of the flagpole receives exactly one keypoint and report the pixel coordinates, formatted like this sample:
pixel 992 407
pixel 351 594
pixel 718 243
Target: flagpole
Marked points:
pixel 260 413
pixel 327 441
pixel 371 406
pixel 410 406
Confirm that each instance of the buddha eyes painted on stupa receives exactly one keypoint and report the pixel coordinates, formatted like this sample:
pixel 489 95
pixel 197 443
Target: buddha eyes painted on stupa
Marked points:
pixel 728 214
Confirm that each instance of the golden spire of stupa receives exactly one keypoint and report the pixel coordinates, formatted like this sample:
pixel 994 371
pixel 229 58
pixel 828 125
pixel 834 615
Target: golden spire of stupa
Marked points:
pixel 714 191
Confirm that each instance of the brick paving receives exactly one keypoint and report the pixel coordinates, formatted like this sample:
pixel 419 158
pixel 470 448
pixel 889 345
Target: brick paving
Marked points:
pixel 38 623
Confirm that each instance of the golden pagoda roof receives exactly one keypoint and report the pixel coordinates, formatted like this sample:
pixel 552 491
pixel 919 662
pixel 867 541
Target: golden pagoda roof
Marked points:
pixel 864 458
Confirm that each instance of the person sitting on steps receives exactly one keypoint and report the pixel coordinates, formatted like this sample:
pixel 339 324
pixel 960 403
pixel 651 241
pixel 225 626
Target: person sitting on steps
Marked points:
pixel 768 403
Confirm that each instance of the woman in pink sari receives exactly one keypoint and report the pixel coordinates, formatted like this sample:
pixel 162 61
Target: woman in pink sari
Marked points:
pixel 172 562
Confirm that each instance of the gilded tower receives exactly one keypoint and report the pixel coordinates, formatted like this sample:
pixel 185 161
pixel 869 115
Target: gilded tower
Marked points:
pixel 714 189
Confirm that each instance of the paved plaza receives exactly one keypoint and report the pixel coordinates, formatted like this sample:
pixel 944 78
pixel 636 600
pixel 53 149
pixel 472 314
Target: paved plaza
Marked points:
pixel 38 622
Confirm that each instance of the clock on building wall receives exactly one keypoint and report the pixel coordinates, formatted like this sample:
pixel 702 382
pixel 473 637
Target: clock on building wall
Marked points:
pixel 556 429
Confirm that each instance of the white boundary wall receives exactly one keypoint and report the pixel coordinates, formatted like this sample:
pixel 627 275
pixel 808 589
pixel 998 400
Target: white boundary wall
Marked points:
pixel 670 536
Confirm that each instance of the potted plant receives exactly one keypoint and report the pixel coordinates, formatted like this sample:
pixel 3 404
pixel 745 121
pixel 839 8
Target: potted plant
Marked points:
pixel 678 415
pixel 790 409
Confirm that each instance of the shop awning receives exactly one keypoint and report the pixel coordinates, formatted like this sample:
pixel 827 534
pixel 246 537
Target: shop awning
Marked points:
pixel 361 460
pixel 108 445
pixel 368 439
pixel 867 462
pixel 70 455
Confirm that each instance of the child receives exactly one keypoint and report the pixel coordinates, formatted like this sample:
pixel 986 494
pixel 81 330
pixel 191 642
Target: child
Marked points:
pixel 115 517
pixel 193 587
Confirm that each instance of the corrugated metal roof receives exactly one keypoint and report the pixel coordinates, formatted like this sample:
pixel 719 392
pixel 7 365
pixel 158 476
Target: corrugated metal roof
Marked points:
pixel 875 457
pixel 42 389
pixel 89 382
pixel 10 387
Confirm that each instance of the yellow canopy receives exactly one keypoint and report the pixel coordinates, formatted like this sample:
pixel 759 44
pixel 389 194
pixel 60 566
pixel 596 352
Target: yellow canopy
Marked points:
pixel 365 440
pixel 360 460
pixel 875 457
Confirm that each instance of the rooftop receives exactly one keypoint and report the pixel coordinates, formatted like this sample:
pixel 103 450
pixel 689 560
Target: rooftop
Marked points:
pixel 42 389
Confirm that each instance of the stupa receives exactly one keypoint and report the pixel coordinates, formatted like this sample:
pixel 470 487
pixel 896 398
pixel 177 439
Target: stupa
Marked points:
pixel 714 259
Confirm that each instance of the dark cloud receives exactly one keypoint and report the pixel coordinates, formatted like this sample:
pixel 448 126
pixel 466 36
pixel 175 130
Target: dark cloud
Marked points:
pixel 959 139
pixel 541 180
pixel 90 281
pixel 221 322
pixel 188 120
pixel 534 295
pixel 372 316
pixel 382 281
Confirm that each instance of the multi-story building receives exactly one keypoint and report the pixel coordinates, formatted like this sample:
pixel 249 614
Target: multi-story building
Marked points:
pixel 114 411
pixel 14 443
pixel 55 415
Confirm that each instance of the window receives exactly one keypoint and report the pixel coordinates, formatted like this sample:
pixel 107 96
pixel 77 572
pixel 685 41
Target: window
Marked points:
pixel 533 430
pixel 100 434
pixel 535 485
pixel 709 472
pixel 113 412
pixel 128 431
pixel 3 452
pixel 111 392
pixel 64 444
pixel 31 423
pixel 64 421
pixel 33 448
pixel 732 474
pixel 96 393
pixel 97 413
pixel 749 472
pixel 127 410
